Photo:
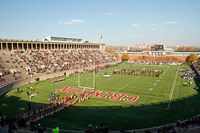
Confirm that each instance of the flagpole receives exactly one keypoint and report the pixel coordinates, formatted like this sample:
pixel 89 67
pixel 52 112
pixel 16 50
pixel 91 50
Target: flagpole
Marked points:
pixel 101 39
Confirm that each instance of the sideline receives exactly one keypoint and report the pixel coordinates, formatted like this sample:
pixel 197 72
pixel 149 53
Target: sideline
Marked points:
pixel 172 89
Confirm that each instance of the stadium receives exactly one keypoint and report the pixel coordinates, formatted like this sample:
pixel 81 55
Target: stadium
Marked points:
pixel 74 85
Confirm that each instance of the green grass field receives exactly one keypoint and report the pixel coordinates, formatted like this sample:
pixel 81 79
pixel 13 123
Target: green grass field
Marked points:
pixel 161 100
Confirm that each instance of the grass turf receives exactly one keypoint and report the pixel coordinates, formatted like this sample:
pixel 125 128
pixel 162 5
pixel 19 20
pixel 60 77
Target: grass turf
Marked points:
pixel 161 100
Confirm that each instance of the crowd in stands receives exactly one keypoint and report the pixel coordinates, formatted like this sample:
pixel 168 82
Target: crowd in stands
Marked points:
pixel 55 61
pixel 21 64
pixel 187 74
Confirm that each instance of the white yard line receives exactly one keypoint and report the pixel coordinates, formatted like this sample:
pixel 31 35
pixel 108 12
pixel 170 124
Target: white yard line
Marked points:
pixel 172 89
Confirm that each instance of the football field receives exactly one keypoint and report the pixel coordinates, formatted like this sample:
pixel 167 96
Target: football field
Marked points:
pixel 160 99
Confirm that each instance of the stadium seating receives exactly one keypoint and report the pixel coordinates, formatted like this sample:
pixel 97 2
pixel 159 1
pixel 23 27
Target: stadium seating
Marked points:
pixel 20 64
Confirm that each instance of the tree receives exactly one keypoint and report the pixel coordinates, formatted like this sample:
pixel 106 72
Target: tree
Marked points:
pixel 125 57
pixel 191 58
pixel 111 51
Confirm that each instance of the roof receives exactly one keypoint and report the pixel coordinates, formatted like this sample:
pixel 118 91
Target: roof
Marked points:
pixel 135 51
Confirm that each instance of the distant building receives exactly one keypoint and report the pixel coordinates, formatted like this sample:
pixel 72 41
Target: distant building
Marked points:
pixel 157 48
pixel 157 51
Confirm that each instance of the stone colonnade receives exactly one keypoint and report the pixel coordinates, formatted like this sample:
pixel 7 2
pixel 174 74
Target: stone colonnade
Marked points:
pixel 37 45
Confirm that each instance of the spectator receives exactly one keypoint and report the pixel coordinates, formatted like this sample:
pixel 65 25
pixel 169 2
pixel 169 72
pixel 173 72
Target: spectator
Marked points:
pixel 89 129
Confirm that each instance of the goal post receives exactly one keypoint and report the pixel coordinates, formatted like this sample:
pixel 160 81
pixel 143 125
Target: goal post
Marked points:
pixel 93 79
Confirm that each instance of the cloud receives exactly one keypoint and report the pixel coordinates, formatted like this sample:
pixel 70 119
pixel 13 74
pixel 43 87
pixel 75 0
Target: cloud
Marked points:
pixel 71 22
pixel 109 13
pixel 135 25
pixel 152 25
pixel 138 26
pixel 171 22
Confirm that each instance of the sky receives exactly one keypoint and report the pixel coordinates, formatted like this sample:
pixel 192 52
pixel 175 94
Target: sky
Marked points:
pixel 120 22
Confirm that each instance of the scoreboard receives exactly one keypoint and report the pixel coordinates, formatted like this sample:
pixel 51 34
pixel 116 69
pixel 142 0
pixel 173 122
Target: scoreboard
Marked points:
pixel 157 48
